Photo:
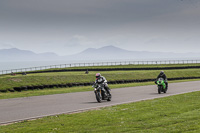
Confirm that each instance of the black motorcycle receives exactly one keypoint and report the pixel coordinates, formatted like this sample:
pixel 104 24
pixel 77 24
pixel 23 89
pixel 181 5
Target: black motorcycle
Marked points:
pixel 101 93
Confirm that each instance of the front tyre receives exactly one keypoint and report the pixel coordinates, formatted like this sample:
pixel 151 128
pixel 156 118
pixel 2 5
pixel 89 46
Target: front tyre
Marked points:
pixel 98 96
pixel 159 89
pixel 109 98
pixel 164 90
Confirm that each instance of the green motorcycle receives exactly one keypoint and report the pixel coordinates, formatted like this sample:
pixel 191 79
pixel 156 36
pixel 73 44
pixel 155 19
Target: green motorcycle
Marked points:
pixel 161 85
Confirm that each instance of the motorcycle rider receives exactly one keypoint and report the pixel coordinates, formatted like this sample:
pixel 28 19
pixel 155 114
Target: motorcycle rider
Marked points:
pixel 162 75
pixel 102 80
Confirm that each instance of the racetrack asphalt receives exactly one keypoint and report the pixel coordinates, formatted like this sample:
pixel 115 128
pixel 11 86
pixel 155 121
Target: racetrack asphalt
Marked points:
pixel 19 109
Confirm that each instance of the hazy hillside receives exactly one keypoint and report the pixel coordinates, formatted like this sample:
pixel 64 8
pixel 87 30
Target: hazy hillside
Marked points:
pixel 104 53
pixel 15 54
pixel 111 52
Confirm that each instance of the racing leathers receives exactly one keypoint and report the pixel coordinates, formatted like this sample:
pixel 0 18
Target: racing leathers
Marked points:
pixel 102 80
pixel 162 75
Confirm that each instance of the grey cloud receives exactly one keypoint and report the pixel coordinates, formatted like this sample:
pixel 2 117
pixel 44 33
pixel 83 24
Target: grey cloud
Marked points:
pixel 28 22
pixel 88 10
pixel 86 14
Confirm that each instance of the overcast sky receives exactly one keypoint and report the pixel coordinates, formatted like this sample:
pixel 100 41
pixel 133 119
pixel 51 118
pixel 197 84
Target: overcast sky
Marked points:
pixel 70 26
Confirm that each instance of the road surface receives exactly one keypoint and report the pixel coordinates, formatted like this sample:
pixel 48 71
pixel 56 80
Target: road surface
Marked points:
pixel 19 109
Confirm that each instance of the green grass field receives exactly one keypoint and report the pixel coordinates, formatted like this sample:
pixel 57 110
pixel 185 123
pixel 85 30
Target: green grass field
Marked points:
pixel 8 82
pixel 180 113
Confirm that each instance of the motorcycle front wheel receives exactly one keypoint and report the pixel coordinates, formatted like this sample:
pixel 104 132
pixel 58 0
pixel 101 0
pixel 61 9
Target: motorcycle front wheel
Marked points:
pixel 109 98
pixel 164 90
pixel 98 96
pixel 159 89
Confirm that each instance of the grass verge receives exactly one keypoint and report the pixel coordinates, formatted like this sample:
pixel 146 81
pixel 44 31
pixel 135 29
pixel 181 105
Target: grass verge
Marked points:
pixel 114 66
pixel 29 93
pixel 179 113
pixel 8 82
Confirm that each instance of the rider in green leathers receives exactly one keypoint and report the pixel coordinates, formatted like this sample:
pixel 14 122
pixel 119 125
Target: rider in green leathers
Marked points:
pixel 162 75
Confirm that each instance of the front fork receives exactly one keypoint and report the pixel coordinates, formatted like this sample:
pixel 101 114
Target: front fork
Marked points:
pixel 96 92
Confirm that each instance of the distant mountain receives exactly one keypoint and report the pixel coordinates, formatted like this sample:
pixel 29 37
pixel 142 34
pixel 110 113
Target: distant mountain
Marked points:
pixel 112 52
pixel 15 54
pixel 104 53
